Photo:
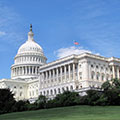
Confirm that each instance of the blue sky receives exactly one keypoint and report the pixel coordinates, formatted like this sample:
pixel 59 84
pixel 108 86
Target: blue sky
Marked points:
pixel 95 24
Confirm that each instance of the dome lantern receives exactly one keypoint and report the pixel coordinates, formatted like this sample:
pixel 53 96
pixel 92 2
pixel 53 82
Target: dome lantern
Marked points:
pixel 30 34
pixel 30 45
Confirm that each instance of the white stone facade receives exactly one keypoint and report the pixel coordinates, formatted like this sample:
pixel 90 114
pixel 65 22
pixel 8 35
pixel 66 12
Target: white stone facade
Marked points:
pixel 32 76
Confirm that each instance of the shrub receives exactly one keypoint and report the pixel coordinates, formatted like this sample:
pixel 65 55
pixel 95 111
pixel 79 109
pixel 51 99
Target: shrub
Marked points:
pixel 41 102
pixel 20 106
pixel 93 96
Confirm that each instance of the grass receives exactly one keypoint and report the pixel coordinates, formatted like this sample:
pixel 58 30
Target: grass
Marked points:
pixel 68 113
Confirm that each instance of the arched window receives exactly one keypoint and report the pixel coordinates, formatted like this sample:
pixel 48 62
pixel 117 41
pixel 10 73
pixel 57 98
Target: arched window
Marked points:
pixel 71 87
pixel 92 75
pixel 20 93
pixel 107 77
pixel 98 75
pixel 67 88
pixel 63 89
pixel 51 92
pixel 59 90
pixel 102 77
pixel 55 91
pixel 47 92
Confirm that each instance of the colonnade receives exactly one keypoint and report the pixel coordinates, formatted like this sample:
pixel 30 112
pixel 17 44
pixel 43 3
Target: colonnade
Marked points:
pixel 30 59
pixel 53 91
pixel 60 74
pixel 25 70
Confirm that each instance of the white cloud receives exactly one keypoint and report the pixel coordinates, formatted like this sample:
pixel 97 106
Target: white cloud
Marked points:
pixel 63 52
pixel 10 21
pixel 2 33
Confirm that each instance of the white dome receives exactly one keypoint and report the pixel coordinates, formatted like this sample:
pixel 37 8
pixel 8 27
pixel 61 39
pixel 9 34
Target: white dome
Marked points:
pixel 30 46
pixel 29 58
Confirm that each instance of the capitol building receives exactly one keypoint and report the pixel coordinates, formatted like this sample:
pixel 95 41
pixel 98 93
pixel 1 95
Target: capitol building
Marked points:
pixel 32 76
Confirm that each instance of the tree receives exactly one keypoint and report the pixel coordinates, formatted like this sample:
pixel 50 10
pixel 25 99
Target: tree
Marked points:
pixel 6 100
pixel 93 96
pixel 111 91
pixel 41 102
pixel 67 99
pixel 106 85
pixel 116 83
pixel 20 106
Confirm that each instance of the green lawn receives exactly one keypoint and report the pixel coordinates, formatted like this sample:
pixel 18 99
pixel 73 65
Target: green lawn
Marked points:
pixel 68 113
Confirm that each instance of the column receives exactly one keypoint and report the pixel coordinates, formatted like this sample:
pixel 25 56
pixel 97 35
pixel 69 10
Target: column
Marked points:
pixel 61 73
pixel 29 69
pixel 42 76
pixel 49 78
pixel 78 68
pixel 25 69
pixel 118 74
pixel 18 71
pixel 73 71
pixel 46 75
pixel 49 74
pixel 113 69
pixel 57 75
pixel 32 70
pixel 22 70
pixel 53 75
pixel 11 72
pixel 36 70
pixel 65 73
pixel 85 72
pixel 15 71
pixel 69 71
pixel 39 85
